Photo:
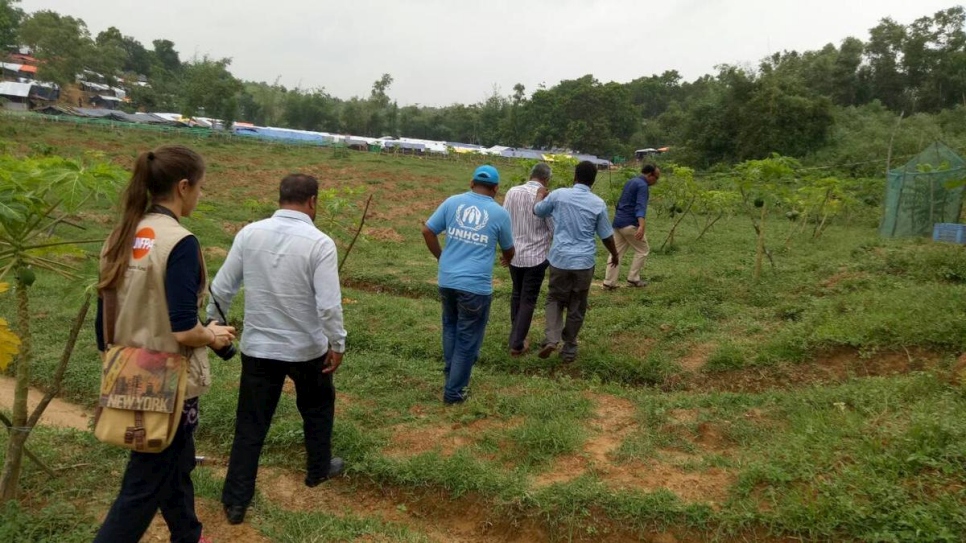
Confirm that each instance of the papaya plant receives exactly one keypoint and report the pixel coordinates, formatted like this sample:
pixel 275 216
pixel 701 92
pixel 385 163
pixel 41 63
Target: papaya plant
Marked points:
pixel 563 167
pixel 818 201
pixel 677 196
pixel 761 184
pixel 714 205
pixel 36 196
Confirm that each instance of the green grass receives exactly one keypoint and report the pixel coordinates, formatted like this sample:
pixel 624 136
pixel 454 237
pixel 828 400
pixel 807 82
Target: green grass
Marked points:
pixel 833 457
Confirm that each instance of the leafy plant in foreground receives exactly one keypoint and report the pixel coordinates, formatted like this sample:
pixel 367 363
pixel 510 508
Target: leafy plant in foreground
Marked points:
pixel 36 196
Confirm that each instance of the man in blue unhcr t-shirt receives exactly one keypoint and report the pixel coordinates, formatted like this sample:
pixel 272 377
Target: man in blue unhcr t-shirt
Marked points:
pixel 474 224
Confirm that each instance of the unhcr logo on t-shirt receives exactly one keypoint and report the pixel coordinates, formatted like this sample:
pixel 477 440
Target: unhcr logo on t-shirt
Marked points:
pixel 471 217
pixel 471 220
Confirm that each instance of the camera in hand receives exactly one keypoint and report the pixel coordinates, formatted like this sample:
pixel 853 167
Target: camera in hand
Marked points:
pixel 228 351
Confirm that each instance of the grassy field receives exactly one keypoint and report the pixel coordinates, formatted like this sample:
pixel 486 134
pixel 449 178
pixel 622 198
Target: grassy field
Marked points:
pixel 814 404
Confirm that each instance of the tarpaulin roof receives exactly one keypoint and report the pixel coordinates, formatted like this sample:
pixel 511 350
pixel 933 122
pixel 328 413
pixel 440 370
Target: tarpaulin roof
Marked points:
pixel 92 112
pixel 389 144
pixel 9 88
pixel 96 86
pixel 358 140
pixel 282 134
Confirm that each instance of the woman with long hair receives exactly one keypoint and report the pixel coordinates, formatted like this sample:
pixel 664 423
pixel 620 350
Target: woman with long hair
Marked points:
pixel 152 266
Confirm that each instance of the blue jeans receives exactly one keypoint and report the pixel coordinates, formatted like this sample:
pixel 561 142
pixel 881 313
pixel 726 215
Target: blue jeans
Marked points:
pixel 464 321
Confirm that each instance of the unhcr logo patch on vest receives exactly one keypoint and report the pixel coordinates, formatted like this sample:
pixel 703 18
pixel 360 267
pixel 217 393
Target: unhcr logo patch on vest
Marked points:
pixel 471 220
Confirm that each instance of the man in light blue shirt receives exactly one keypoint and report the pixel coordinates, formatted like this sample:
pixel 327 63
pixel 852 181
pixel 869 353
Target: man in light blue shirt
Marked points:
pixel 293 327
pixel 474 224
pixel 579 216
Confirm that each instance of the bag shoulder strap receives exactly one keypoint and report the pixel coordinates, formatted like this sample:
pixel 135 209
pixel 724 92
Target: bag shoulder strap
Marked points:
pixel 109 315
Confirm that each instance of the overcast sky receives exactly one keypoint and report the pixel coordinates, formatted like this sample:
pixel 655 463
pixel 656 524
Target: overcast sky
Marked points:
pixel 440 52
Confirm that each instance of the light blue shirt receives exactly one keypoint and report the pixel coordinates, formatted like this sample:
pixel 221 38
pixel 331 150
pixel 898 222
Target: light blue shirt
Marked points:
pixel 474 225
pixel 578 215
pixel 293 303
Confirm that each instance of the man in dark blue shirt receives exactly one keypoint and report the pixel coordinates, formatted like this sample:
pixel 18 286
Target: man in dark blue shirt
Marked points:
pixel 629 230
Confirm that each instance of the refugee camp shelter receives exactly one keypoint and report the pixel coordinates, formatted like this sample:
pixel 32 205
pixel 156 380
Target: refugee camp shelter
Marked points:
pixel 15 95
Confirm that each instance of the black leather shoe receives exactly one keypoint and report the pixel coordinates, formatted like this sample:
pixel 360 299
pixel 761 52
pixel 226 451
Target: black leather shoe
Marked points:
pixel 336 467
pixel 235 513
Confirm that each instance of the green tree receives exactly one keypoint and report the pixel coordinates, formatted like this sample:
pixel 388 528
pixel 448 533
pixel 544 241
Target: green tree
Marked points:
pixel 166 56
pixel 135 59
pixel 314 110
pixel 493 111
pixel 380 113
pixel 934 59
pixel 60 41
pixel 513 131
pixel 106 55
pixel 582 114
pixel 209 89
pixel 10 19
pixel 883 72
pixel 353 118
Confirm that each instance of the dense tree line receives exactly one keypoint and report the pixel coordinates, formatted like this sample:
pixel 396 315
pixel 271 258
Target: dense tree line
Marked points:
pixel 792 103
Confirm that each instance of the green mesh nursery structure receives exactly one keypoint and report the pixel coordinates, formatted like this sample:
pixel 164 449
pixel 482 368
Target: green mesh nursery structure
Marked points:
pixel 926 191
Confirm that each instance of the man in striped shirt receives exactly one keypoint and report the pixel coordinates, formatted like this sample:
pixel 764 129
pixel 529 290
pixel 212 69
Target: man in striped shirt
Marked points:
pixel 531 238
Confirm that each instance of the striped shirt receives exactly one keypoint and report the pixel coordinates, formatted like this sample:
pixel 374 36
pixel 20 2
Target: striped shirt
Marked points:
pixel 578 215
pixel 531 234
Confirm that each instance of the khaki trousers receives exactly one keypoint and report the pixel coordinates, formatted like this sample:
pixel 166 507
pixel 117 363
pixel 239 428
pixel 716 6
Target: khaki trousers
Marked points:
pixel 624 238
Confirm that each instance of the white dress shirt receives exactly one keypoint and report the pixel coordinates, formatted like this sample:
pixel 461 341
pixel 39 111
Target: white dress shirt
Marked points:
pixel 293 303
pixel 531 234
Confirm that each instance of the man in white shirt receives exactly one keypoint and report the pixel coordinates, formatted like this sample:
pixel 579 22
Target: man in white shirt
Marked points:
pixel 293 327
pixel 531 237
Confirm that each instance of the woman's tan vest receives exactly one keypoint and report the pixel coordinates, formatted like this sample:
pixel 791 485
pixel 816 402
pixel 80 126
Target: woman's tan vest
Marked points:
pixel 142 319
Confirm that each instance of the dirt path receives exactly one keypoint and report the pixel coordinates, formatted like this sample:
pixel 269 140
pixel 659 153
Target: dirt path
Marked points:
pixel 58 413
pixel 216 527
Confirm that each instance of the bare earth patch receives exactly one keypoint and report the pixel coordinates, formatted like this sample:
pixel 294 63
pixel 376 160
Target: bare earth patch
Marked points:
pixel 632 344
pixel 413 439
pixel 430 516
pixel 232 228
pixel 835 366
pixel 697 357
pixel 384 234
pixel 683 416
pixel 216 526
pixel 709 486
pixel 215 252
pixel 614 421
pixel 841 276
pixel 58 413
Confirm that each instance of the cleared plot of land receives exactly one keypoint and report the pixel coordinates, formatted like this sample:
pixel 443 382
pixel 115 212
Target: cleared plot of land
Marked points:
pixel 813 404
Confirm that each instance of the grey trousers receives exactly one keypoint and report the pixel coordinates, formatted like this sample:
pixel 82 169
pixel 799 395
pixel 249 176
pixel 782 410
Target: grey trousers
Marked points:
pixel 567 291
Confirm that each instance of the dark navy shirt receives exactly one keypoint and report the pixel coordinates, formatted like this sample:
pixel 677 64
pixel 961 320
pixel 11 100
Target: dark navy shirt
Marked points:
pixel 633 203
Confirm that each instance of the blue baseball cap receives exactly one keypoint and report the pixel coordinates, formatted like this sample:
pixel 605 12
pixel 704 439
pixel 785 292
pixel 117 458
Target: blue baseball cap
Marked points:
pixel 487 175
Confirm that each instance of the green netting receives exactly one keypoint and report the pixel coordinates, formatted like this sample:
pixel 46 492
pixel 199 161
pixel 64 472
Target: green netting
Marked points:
pixel 926 191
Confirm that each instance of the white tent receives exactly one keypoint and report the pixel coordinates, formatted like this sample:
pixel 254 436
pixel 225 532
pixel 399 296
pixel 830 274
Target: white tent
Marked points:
pixel 18 90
